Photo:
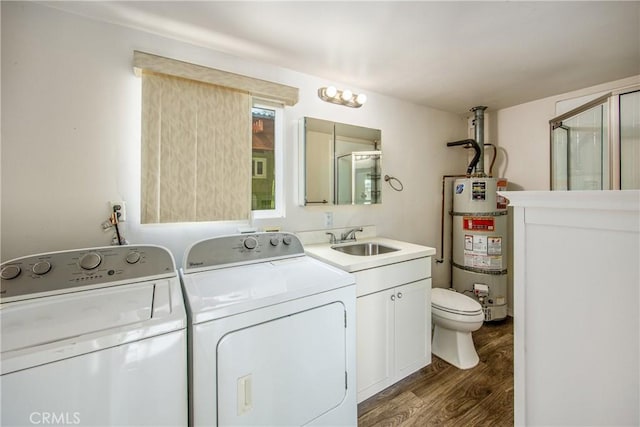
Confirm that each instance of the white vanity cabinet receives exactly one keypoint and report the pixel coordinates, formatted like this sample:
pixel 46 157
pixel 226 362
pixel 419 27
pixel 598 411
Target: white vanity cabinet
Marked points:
pixel 393 310
pixel 393 323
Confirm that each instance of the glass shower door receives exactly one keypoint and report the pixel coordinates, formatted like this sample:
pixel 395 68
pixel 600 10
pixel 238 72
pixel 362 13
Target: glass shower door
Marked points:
pixel 365 180
pixel 630 141
pixel 579 149
pixel 358 178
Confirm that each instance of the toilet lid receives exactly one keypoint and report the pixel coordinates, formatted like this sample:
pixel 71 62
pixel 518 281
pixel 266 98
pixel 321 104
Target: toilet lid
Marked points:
pixel 454 302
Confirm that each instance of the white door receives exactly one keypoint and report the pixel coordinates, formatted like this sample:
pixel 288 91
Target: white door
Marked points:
pixel 411 333
pixel 375 342
pixel 286 371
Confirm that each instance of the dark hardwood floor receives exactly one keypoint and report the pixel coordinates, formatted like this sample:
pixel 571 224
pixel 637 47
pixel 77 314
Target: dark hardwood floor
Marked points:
pixel 443 395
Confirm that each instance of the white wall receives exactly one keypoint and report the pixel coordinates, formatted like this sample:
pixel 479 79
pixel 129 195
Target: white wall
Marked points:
pixel 523 134
pixel 71 140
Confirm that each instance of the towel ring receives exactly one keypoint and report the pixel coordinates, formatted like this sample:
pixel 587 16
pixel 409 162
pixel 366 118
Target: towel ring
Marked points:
pixel 390 180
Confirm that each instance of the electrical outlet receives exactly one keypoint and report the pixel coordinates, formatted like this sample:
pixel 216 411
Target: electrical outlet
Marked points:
pixel 119 207
pixel 328 219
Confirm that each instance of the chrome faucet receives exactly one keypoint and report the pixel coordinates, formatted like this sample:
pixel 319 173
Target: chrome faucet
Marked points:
pixel 332 238
pixel 350 235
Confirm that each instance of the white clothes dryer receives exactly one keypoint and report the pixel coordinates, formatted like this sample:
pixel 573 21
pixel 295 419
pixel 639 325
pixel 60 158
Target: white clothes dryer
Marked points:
pixel 272 334
pixel 93 337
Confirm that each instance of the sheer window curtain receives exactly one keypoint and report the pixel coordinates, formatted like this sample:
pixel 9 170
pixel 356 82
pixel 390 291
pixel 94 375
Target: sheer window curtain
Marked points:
pixel 196 151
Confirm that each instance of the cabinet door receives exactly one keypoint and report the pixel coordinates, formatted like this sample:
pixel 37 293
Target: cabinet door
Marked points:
pixel 412 327
pixel 375 342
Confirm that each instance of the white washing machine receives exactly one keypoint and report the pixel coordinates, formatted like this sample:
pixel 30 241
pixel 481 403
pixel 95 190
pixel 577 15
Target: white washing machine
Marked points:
pixel 272 334
pixel 93 337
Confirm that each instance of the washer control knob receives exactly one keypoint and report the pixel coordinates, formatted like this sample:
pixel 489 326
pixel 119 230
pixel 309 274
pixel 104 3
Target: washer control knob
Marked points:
pixel 250 243
pixel 90 261
pixel 41 267
pixel 274 241
pixel 10 272
pixel 132 257
pixel 286 240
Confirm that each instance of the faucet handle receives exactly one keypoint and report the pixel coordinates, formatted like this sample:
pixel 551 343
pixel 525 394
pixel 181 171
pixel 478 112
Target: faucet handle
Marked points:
pixel 350 234
pixel 332 239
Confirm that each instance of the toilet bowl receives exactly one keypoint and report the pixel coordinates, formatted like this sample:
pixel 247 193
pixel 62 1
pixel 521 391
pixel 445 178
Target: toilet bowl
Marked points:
pixel 455 316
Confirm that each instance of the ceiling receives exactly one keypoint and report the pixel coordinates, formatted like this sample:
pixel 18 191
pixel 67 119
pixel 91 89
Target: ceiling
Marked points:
pixel 448 55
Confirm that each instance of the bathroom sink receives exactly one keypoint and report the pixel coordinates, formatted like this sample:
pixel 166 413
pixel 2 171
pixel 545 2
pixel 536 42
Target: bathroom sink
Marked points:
pixel 364 249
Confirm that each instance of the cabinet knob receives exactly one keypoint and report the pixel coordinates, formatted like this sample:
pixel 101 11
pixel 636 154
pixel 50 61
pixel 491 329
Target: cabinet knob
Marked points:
pixel 399 295
pixel 393 297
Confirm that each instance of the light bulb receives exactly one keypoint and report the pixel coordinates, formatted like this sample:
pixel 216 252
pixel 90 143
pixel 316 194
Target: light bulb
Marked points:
pixel 331 91
pixel 361 98
pixel 346 95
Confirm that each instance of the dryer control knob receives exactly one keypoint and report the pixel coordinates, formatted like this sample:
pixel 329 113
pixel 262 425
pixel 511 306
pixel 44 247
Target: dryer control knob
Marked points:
pixel 132 257
pixel 286 240
pixel 274 241
pixel 42 267
pixel 10 272
pixel 90 261
pixel 250 243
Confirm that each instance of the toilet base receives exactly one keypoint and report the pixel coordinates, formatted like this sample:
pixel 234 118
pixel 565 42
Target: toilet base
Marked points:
pixel 454 347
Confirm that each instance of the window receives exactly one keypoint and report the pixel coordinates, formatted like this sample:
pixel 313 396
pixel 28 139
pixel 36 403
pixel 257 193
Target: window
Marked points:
pixel 199 162
pixel 267 162
pixel 259 171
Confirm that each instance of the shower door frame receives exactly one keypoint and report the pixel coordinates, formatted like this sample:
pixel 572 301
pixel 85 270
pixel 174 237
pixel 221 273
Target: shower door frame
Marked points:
pixel 558 123
pixel 611 165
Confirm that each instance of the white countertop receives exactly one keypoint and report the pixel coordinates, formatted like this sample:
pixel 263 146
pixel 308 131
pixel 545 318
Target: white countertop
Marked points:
pixel 406 251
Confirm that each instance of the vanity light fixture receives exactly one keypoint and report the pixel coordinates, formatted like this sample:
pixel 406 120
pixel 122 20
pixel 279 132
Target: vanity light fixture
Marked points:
pixel 342 97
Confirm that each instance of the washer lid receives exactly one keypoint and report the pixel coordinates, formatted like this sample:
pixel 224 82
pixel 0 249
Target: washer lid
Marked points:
pixel 58 318
pixel 227 291
pixel 454 302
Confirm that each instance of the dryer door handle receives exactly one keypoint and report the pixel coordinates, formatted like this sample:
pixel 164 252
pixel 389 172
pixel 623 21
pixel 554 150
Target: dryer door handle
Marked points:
pixel 245 394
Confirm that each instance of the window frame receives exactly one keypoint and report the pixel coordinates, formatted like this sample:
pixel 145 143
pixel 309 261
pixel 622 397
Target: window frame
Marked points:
pixel 278 155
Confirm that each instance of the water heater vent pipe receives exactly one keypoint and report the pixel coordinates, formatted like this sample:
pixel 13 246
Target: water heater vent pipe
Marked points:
pixel 468 143
pixel 479 134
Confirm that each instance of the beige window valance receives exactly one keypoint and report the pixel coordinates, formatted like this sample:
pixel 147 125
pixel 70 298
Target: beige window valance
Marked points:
pixel 287 95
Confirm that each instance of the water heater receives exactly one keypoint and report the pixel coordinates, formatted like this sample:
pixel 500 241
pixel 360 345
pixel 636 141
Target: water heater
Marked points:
pixel 479 262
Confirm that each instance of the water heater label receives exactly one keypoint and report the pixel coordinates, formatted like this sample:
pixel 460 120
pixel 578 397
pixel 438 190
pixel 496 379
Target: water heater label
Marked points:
pixel 480 244
pixel 479 190
pixel 468 242
pixel 483 252
pixel 501 201
pixel 494 246
pixel 483 261
pixel 478 223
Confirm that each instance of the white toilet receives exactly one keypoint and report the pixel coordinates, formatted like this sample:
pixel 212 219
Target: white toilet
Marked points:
pixel 455 316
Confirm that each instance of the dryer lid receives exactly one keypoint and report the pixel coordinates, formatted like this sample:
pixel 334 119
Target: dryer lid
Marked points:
pixel 228 291
pixel 452 301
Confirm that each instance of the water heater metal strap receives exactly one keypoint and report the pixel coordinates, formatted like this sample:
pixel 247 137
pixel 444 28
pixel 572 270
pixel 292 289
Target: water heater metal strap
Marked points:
pixel 497 213
pixel 480 270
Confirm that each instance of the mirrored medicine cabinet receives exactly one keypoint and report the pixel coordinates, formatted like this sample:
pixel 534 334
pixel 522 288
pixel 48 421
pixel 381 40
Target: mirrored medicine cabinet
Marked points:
pixel 340 164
